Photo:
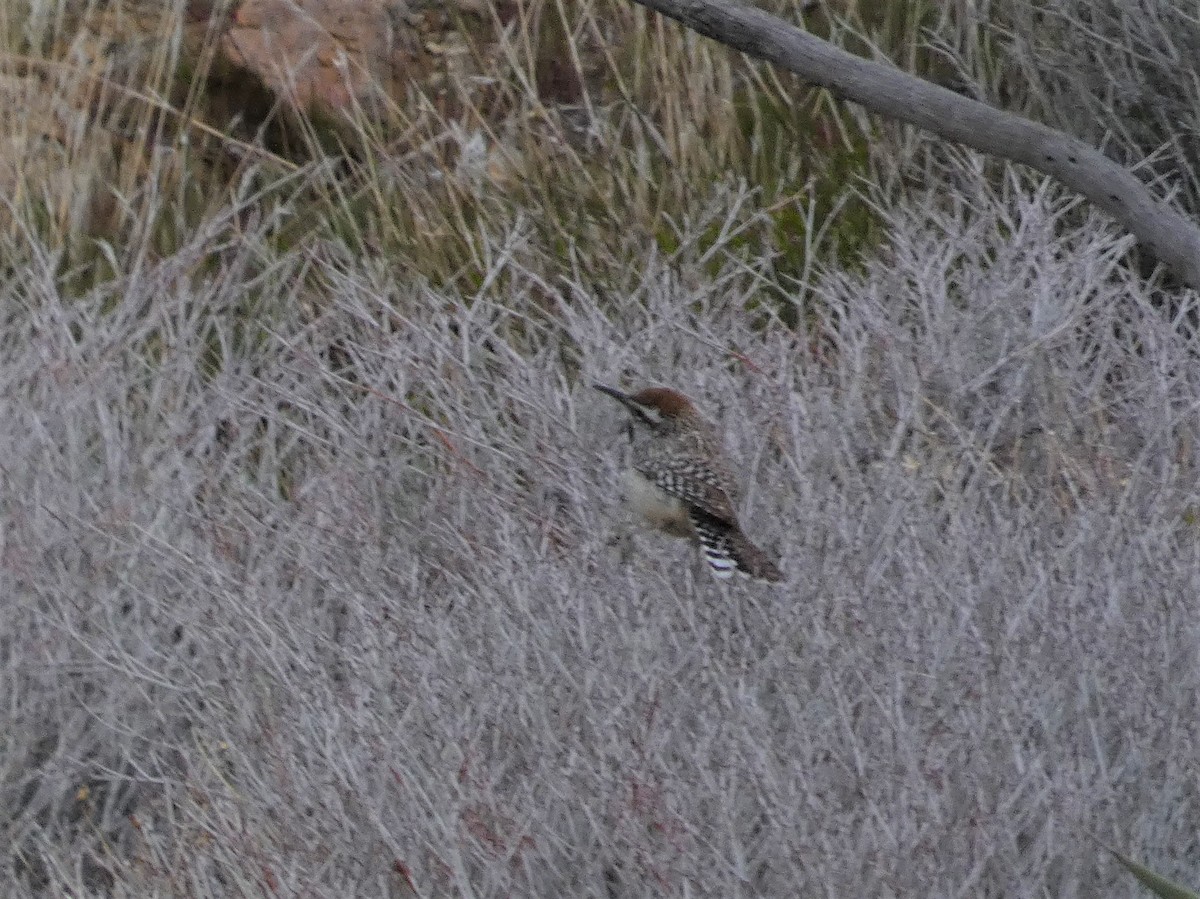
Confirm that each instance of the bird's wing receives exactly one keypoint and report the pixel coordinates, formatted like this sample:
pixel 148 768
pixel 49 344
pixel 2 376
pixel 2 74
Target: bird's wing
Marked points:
pixel 697 482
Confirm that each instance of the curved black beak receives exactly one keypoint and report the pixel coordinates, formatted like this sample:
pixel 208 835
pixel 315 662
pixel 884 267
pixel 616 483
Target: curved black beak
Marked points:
pixel 617 395
pixel 624 399
pixel 638 413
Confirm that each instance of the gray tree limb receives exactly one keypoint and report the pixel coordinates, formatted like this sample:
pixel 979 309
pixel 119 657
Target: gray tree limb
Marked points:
pixel 1169 236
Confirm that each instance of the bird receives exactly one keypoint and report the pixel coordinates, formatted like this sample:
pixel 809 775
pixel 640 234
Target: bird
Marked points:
pixel 680 483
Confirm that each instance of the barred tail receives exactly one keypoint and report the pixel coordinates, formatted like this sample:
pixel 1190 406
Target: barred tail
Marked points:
pixel 727 550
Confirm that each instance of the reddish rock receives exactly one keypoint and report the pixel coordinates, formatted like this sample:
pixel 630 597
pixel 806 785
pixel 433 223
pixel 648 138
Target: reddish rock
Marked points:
pixel 330 56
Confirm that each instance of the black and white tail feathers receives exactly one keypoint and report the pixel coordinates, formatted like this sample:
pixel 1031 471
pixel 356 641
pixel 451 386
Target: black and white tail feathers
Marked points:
pixel 728 550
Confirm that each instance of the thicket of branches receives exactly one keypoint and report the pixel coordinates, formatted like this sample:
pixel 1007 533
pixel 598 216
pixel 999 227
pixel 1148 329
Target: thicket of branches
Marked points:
pixel 314 579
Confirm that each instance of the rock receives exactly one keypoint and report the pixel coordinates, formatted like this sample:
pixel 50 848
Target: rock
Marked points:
pixel 321 54
pixel 334 57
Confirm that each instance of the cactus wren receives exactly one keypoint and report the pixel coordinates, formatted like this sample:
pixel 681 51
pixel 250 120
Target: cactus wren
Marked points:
pixel 680 483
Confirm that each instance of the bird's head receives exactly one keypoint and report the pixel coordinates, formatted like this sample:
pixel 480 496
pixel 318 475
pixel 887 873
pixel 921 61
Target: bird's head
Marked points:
pixel 657 408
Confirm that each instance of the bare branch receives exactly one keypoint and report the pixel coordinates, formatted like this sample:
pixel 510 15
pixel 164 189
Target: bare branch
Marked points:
pixel 1172 238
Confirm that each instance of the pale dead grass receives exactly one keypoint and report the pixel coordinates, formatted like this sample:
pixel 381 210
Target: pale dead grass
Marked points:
pixel 351 606
pixel 317 582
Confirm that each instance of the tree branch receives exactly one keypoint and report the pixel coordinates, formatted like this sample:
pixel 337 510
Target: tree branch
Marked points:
pixel 1169 236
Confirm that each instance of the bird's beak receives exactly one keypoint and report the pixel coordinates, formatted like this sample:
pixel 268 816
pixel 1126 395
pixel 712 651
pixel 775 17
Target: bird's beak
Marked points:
pixel 640 415
pixel 622 398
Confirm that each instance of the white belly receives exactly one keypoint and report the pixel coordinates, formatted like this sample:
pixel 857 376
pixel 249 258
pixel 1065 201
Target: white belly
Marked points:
pixel 654 507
